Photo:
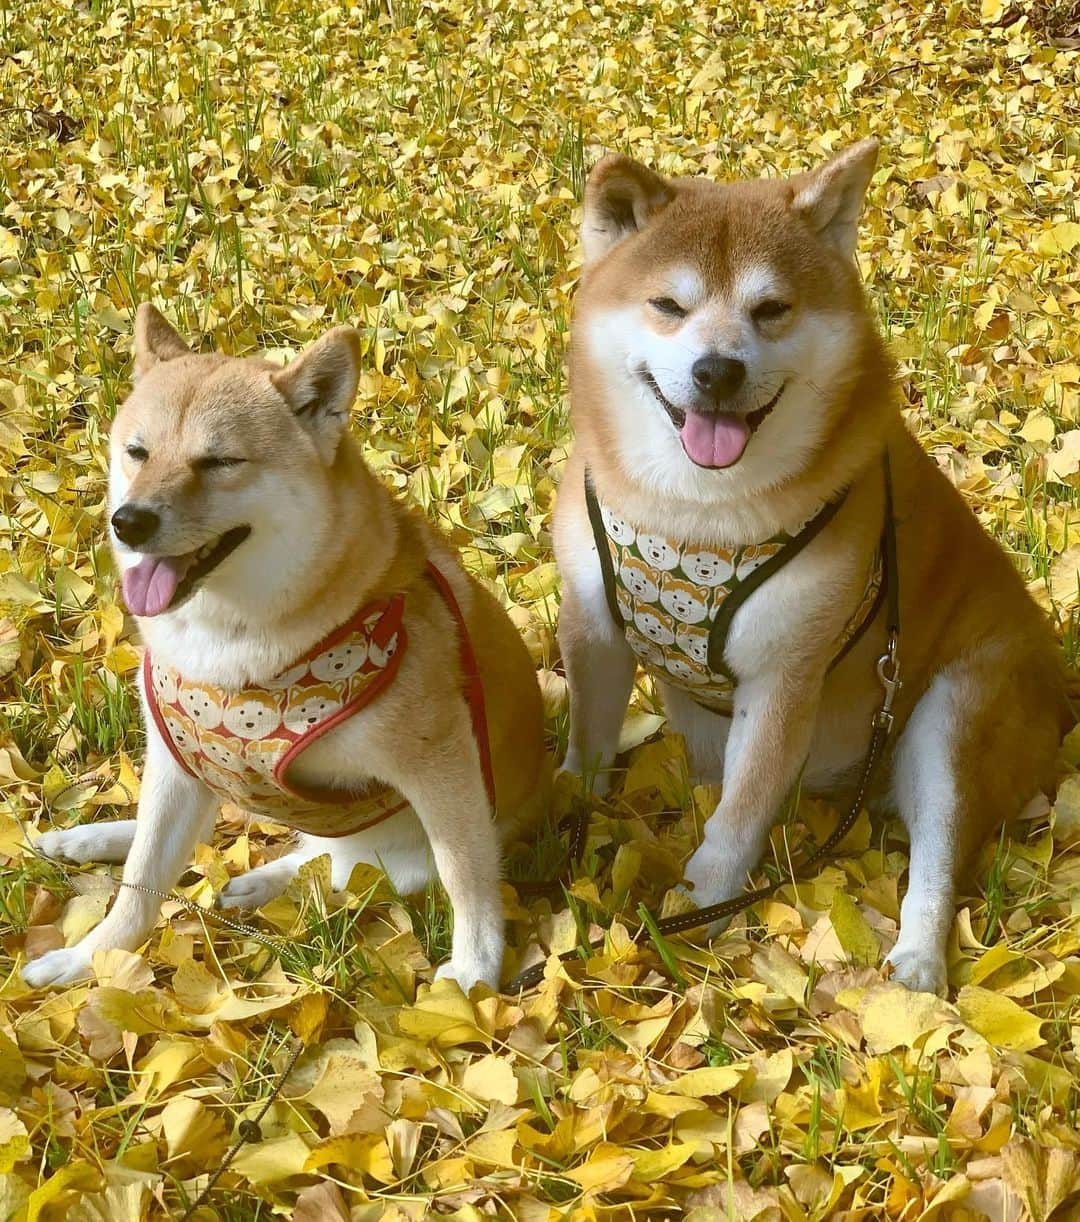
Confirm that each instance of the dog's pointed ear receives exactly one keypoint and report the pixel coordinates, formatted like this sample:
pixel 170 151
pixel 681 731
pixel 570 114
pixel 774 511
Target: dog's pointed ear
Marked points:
pixel 155 340
pixel 621 197
pixel 830 197
pixel 320 386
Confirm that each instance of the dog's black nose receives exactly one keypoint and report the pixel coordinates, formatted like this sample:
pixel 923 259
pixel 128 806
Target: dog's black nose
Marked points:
pixel 718 377
pixel 134 524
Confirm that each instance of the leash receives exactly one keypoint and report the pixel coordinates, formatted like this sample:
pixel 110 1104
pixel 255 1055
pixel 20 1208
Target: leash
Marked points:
pixel 888 673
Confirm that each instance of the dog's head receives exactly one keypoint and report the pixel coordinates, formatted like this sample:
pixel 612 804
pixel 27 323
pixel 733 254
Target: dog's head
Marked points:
pixel 222 468
pixel 720 328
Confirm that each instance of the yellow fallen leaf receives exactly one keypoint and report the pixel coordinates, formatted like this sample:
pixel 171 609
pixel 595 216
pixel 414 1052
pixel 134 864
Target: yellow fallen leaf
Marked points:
pixel 342 1086
pixel 491 1079
pixel 653 1165
pixel 14 1140
pixel 701 1083
pixel 81 914
pixel 494 1148
pixel 192 1131
pixel 1059 239
pixel 443 1015
pixel 999 1019
pixel 364 1152
pixel 895 1017
pixel 855 935
pixel 607 1168
pixel 269 1162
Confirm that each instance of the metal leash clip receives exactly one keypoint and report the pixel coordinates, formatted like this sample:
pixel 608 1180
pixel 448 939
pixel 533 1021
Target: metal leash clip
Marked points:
pixel 888 671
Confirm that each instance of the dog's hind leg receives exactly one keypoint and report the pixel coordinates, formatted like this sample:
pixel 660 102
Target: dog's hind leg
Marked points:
pixel 705 733
pixel 398 846
pixel 980 742
pixel 104 842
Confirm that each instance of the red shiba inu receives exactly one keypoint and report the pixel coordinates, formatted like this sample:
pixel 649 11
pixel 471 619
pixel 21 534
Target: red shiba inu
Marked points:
pixel 733 407
pixel 317 655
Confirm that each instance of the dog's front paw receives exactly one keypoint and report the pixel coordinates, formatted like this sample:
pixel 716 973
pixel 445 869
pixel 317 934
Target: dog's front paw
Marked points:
pixel 256 887
pixel 598 784
pixel 73 844
pixel 468 973
pixel 714 876
pixel 919 968
pixel 70 965
pixel 714 879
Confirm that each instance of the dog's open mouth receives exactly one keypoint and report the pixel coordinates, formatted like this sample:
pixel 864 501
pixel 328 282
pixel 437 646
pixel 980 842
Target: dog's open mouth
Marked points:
pixel 712 439
pixel 162 583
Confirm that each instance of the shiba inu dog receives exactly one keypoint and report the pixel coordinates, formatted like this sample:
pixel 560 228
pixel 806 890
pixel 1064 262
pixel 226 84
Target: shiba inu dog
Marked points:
pixel 730 394
pixel 314 649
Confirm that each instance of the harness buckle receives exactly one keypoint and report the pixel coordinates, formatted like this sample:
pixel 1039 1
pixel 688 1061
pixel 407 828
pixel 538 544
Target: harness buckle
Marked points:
pixel 888 671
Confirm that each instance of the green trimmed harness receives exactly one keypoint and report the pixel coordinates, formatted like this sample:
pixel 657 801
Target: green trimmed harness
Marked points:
pixel 675 602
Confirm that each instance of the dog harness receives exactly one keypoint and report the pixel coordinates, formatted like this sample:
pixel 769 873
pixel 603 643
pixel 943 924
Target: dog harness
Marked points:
pixel 242 743
pixel 675 601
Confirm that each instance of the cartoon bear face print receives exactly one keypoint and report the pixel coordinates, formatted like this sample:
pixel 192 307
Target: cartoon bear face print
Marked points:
pixel 639 579
pixel 655 625
pixel 685 671
pixel 224 783
pixel 754 557
pixel 343 660
pixel 223 751
pixel 694 642
pixel 262 757
pixel 181 732
pixel 308 706
pixel 288 678
pixel 163 682
pixel 708 568
pixel 380 655
pixel 252 714
pixel 202 705
pixel 617 528
pixel 651 656
pixel 683 601
pixel 657 551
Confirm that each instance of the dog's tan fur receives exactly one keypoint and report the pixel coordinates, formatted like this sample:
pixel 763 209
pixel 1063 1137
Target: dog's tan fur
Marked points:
pixel 981 711
pixel 327 538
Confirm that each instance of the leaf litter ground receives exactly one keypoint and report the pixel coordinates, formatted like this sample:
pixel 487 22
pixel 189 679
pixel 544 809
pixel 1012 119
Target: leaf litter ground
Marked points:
pixel 262 171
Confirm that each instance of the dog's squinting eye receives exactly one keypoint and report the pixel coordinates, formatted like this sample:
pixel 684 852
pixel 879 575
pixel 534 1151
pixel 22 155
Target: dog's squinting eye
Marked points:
pixel 138 453
pixel 770 310
pixel 668 306
pixel 214 462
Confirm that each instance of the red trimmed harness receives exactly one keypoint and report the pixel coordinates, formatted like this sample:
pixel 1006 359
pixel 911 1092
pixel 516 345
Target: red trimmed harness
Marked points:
pixel 187 728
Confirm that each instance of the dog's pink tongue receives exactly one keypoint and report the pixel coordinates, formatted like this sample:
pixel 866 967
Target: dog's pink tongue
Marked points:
pixel 714 441
pixel 149 586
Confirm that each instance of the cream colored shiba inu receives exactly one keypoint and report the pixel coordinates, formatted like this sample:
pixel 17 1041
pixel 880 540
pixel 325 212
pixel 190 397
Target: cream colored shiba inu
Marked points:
pixel 316 653
pixel 733 406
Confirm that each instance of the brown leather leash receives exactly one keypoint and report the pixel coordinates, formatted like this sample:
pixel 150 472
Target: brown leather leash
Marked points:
pixel 888 672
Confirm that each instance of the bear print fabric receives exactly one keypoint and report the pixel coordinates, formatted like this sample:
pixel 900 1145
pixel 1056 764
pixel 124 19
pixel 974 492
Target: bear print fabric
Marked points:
pixel 669 594
pixel 241 743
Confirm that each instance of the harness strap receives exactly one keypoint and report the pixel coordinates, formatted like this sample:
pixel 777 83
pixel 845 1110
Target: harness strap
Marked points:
pixel 721 624
pixel 607 567
pixel 474 684
pixel 473 690
pixel 719 630
pixel 888 669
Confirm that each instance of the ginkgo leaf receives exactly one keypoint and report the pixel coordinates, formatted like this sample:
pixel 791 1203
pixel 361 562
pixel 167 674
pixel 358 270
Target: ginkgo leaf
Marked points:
pixel 1000 1020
